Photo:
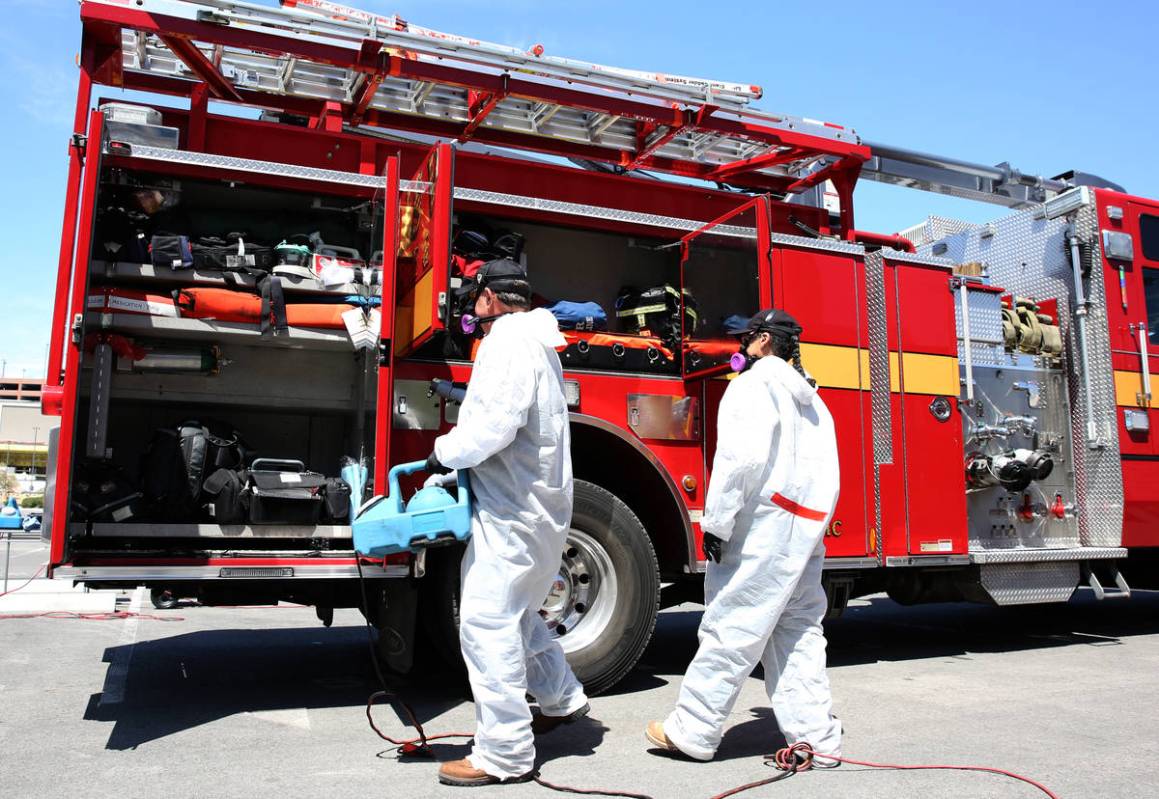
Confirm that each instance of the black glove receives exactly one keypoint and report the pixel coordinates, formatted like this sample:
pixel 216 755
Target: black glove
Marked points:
pixel 434 467
pixel 712 547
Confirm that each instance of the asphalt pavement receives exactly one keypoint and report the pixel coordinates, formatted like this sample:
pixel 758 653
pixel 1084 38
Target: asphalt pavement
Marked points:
pixel 208 702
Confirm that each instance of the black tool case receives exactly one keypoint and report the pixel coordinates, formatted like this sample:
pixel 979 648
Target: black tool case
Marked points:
pixel 284 492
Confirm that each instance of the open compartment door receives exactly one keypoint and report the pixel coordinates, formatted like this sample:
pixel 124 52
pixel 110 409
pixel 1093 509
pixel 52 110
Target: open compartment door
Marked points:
pixel 424 251
pixel 384 402
pixel 725 278
pixel 59 472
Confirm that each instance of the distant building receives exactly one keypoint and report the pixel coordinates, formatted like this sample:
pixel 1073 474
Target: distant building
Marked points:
pixel 24 435
pixel 28 390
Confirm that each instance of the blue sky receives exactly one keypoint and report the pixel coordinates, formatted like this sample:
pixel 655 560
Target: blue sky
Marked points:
pixel 1048 86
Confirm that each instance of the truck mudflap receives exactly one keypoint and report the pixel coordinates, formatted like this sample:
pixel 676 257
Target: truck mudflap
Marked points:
pixel 176 570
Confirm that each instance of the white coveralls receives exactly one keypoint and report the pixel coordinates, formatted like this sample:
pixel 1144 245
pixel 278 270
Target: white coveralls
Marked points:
pixel 513 435
pixel 773 489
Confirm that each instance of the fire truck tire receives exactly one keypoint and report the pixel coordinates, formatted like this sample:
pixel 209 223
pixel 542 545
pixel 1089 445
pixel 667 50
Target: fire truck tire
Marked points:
pixel 163 599
pixel 603 603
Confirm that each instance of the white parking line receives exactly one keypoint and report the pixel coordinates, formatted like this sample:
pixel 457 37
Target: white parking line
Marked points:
pixel 113 691
pixel 38 552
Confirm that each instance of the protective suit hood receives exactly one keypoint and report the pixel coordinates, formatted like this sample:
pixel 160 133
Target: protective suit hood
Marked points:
pixel 774 368
pixel 538 325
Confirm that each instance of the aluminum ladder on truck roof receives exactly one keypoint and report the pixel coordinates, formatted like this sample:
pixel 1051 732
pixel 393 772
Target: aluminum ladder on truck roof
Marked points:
pixel 385 72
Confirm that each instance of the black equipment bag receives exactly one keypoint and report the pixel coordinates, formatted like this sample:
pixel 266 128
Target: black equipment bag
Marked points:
pixel 170 251
pixel 656 311
pixel 178 460
pixel 284 492
pixel 336 496
pixel 226 501
pixel 234 253
pixel 102 492
pixel 121 236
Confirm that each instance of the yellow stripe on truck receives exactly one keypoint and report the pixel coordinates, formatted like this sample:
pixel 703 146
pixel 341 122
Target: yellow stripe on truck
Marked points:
pixel 926 374
pixel 1129 389
pixel 837 367
pixel 848 367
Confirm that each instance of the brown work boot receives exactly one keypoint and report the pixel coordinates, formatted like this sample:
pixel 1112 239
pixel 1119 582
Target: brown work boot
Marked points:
pixel 541 724
pixel 462 774
pixel 655 735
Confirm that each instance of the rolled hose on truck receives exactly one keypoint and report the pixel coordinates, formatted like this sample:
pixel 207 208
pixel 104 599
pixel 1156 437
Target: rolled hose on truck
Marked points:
pixel 393 528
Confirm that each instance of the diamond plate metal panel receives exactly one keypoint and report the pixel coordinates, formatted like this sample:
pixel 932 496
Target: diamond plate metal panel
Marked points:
pixel 878 359
pixel 879 396
pixel 985 316
pixel 213 161
pixel 934 228
pixel 983 355
pixel 615 214
pixel 1028 583
pixel 1100 471
pixel 829 245
pixel 1045 555
pixel 260 167
pixel 1028 255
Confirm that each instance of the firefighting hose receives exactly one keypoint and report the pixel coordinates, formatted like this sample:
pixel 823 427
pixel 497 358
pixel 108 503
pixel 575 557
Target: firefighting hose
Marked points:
pixel 788 760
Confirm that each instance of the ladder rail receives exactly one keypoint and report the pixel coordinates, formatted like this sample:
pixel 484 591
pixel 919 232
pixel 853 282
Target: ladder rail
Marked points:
pixel 717 90
pixel 288 58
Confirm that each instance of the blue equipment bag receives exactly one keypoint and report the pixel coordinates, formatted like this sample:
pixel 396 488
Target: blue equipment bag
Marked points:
pixel 433 516
pixel 579 315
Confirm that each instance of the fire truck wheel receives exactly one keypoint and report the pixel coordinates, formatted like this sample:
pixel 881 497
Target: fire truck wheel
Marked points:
pixel 602 605
pixel 163 599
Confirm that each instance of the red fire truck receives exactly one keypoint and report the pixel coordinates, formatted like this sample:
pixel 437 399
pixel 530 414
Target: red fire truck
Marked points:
pixel 990 383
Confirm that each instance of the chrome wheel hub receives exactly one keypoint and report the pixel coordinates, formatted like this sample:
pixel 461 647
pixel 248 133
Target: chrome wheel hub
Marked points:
pixel 582 597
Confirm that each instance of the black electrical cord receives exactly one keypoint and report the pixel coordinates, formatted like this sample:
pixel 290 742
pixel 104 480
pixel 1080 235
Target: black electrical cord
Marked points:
pixel 412 746
pixel 421 746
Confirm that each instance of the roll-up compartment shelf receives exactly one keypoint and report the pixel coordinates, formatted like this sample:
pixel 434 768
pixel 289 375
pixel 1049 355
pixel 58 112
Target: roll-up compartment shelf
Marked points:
pixel 126 272
pixel 208 330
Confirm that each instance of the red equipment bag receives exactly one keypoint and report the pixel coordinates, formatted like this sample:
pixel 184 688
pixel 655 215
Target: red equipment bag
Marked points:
pixel 225 305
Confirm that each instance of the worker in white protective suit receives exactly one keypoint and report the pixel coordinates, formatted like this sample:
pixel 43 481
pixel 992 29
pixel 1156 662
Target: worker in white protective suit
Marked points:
pixel 512 434
pixel 773 489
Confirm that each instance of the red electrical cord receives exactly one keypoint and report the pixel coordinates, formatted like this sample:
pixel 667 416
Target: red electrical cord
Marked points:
pixel 67 614
pixel 799 757
pixel 26 582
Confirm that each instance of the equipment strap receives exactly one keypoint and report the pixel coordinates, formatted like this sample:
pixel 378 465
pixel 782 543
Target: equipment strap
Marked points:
pixel 273 306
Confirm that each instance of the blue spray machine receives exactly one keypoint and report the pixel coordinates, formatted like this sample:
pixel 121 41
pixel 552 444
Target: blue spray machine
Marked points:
pixel 433 516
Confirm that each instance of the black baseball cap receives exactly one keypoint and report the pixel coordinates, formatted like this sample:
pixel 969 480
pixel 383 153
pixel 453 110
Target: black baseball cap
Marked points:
pixel 771 320
pixel 501 274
